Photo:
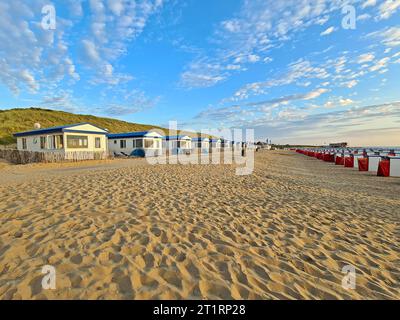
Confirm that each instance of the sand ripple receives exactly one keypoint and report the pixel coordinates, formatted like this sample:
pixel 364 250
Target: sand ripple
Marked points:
pixel 200 232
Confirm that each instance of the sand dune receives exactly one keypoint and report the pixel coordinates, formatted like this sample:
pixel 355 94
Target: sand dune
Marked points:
pixel 128 230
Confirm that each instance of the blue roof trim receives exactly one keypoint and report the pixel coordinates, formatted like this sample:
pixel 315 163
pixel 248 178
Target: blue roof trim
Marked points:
pixel 200 139
pixel 56 129
pixel 38 132
pixel 175 137
pixel 140 134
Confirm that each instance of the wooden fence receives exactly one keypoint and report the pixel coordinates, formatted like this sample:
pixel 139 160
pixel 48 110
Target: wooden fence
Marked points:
pixel 23 157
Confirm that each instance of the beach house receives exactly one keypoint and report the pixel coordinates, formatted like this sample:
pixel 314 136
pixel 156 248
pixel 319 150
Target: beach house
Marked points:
pixel 179 144
pixel 142 144
pixel 201 144
pixel 83 138
pixel 226 144
pixel 215 144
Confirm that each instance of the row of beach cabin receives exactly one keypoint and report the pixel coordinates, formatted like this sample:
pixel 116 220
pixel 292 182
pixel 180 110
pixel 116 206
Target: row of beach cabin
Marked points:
pixel 382 162
pixel 88 137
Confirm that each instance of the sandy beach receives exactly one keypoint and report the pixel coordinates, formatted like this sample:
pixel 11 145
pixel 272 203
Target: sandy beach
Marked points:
pixel 125 229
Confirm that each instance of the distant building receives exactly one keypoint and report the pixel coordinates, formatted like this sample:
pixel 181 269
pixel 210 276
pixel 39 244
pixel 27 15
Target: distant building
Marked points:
pixel 216 144
pixel 201 144
pixel 180 144
pixel 263 145
pixel 338 145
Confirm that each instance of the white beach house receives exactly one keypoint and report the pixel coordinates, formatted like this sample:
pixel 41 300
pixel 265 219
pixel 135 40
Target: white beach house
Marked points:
pixel 226 144
pixel 215 144
pixel 180 144
pixel 201 144
pixel 78 137
pixel 141 144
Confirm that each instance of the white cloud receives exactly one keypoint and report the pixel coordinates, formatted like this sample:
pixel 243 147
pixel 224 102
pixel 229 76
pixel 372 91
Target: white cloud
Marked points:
pixel 368 3
pixel 113 25
pixel 261 26
pixel 390 37
pixel 340 101
pixel 290 113
pixel 388 8
pixel 314 94
pixel 90 51
pixel 364 16
pixel 350 84
pixel 30 55
pixel 48 63
pixel 328 104
pixel 255 108
pixel 203 73
pixel 380 64
pixel 116 6
pixel 346 102
pixel 75 7
pixel 328 31
pixel 193 79
pixel 253 58
pixel 60 99
pixel 321 21
pixel 30 80
pixel 233 67
pixel 299 70
pixel 366 57
pixel 106 75
pixel 248 58
pixel 290 124
pixel 134 101
pixel 367 125
pixel 231 25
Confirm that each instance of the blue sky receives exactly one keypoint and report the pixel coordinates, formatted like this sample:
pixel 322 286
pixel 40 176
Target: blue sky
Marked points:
pixel 288 69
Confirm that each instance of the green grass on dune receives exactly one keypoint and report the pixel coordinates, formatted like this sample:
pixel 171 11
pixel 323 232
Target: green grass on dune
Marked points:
pixel 17 120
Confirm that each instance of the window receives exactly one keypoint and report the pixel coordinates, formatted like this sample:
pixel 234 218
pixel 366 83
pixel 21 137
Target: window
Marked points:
pixel 122 144
pixel 97 143
pixel 77 142
pixel 24 143
pixel 138 143
pixel 43 142
pixel 149 143
pixel 59 142
pixel 52 142
pixel 183 144
pixel 115 141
